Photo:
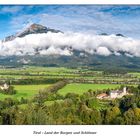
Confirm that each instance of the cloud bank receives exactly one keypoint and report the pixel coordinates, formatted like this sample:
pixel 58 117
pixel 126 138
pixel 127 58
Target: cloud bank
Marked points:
pixel 64 44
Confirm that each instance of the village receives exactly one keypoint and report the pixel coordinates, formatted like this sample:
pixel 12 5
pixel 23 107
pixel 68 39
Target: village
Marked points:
pixel 113 94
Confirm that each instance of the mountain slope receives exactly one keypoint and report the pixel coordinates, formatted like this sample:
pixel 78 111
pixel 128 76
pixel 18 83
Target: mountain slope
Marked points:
pixel 32 29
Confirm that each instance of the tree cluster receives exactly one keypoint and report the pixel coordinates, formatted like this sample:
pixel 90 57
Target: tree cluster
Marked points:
pixel 73 109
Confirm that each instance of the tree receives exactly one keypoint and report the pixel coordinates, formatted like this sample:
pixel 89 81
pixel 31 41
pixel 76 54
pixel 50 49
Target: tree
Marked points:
pixel 1 120
pixel 9 90
pixel 132 116
pixel 96 117
pixel 23 100
pixel 127 102
pixel 90 116
pixel 93 103
pixel 111 115
pixel 129 117
pixel 137 115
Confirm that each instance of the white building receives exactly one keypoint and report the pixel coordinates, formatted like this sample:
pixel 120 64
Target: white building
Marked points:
pixel 4 87
pixel 117 93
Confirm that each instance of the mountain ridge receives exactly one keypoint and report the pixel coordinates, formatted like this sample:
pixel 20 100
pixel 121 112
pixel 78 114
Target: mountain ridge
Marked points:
pixel 32 29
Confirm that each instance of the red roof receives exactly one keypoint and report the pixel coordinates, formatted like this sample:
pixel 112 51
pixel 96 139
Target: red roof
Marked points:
pixel 102 95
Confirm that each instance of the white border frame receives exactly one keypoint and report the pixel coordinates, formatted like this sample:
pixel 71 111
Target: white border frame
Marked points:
pixel 69 2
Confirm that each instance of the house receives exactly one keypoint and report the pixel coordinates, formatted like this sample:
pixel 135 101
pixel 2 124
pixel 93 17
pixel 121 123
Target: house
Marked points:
pixel 113 94
pixel 118 93
pixel 102 96
pixel 4 87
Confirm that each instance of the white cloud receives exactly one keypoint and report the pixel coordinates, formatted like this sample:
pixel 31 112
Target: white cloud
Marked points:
pixel 11 9
pixel 117 53
pixel 63 44
pixel 103 51
pixel 82 18
pixel 86 18
pixel 129 55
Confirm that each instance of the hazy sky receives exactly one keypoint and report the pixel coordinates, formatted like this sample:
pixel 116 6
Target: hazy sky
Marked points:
pixel 77 18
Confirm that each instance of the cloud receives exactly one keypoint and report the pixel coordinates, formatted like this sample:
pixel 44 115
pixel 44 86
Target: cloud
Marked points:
pixel 11 9
pixel 77 18
pixel 91 19
pixel 103 51
pixel 64 44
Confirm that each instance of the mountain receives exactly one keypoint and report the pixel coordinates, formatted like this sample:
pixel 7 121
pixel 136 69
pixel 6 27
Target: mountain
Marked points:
pixel 77 59
pixel 105 34
pixel 120 35
pixel 32 29
pixel 96 62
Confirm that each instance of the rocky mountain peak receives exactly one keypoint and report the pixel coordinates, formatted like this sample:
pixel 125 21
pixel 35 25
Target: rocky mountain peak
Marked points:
pixel 32 29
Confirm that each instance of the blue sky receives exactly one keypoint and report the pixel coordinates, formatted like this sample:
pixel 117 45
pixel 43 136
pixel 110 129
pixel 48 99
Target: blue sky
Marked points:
pixel 78 18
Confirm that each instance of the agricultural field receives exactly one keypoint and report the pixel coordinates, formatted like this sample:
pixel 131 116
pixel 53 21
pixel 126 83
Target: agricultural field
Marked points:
pixel 25 91
pixel 80 88
pixel 136 74
pixel 28 80
pixel 32 75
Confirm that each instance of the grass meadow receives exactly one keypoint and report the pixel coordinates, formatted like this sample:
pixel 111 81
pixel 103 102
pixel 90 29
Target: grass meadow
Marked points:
pixel 80 88
pixel 25 91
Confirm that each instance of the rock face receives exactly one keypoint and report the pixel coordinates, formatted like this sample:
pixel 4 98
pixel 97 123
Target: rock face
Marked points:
pixel 32 29
pixel 105 34
pixel 120 35
pixel 9 38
